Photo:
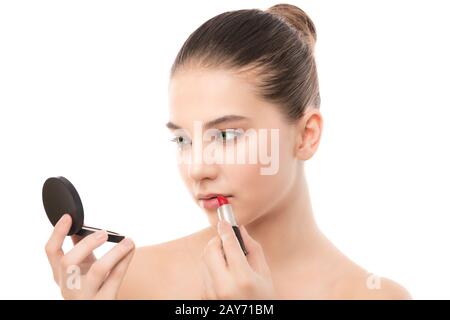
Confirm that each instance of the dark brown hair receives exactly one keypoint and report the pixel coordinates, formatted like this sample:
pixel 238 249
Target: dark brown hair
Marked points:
pixel 275 47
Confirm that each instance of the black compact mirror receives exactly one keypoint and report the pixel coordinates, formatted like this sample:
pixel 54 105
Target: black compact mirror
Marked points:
pixel 59 197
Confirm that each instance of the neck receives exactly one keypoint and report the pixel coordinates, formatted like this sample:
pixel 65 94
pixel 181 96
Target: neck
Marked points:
pixel 289 230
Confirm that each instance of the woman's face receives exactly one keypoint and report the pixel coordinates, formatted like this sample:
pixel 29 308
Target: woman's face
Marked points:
pixel 254 188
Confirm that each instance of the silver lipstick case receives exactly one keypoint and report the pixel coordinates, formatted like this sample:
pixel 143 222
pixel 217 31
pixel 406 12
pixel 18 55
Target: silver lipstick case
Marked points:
pixel 225 212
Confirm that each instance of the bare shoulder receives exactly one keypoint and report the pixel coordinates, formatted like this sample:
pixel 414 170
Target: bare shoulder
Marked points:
pixel 159 271
pixel 362 285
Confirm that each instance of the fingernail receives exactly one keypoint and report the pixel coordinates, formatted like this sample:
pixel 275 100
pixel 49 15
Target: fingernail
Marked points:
pixel 222 229
pixel 101 235
pixel 65 219
pixel 219 227
pixel 128 243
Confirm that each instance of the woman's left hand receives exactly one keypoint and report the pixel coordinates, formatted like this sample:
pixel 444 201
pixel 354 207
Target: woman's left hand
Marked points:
pixel 229 274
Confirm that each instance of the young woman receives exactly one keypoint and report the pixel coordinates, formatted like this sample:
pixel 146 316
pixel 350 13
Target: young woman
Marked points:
pixel 241 71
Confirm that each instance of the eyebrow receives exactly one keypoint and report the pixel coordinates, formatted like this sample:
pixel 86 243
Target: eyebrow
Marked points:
pixel 211 123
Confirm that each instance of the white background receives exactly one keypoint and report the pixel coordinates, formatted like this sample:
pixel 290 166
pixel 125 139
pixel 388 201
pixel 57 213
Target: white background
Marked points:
pixel 83 94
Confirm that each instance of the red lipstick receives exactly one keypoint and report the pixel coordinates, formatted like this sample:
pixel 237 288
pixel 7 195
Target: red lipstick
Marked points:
pixel 222 200
pixel 225 212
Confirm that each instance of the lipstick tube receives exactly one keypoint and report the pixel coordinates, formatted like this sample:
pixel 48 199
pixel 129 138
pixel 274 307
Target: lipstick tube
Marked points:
pixel 225 212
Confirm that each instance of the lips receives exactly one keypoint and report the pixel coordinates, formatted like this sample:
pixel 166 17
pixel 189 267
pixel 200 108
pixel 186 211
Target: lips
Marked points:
pixel 210 201
pixel 211 195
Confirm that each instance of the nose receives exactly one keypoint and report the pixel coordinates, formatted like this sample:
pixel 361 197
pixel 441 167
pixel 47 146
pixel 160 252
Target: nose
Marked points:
pixel 199 168
pixel 201 171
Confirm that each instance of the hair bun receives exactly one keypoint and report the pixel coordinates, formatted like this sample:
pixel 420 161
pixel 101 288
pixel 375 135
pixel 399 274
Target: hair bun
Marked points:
pixel 296 18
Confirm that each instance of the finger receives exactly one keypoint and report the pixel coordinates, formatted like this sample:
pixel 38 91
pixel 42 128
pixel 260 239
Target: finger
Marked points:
pixel 104 266
pixel 214 260
pixel 255 256
pixel 53 248
pixel 90 259
pixel 235 258
pixel 114 280
pixel 208 289
pixel 82 250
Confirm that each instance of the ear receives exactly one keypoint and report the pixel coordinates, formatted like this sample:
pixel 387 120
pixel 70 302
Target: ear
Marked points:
pixel 309 133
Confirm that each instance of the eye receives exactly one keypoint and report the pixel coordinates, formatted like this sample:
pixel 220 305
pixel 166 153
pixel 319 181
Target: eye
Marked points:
pixel 181 141
pixel 228 135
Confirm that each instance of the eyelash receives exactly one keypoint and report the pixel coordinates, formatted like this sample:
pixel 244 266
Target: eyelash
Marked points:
pixel 219 137
pixel 176 140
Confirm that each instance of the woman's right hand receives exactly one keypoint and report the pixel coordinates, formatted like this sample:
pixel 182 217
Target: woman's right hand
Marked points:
pixel 78 273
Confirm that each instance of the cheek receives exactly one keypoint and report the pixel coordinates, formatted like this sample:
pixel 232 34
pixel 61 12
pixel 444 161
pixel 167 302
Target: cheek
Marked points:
pixel 183 170
pixel 245 181
pixel 257 194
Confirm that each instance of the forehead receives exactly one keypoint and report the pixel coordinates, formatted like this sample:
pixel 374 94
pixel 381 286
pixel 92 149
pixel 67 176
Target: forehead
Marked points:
pixel 205 94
